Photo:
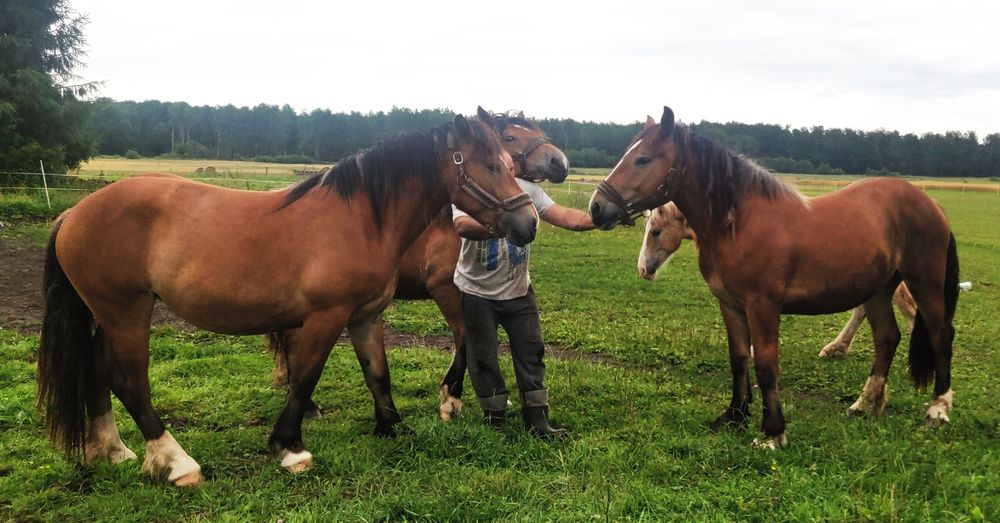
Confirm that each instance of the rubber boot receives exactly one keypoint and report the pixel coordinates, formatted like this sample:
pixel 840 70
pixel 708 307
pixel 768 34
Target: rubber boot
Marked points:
pixel 495 419
pixel 535 411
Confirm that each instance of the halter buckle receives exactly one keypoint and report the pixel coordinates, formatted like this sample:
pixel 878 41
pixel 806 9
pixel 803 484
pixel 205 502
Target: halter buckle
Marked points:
pixel 458 158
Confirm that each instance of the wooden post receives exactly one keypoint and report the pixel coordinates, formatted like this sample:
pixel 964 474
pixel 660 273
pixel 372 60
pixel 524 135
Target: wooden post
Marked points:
pixel 46 184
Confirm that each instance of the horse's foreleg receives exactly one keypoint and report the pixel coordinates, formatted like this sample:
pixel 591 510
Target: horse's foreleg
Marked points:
pixel 841 345
pixel 280 344
pixel 305 364
pixel 449 302
pixel 886 336
pixel 764 321
pixel 738 332
pixel 369 345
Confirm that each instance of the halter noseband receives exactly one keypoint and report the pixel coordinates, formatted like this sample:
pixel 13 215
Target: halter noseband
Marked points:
pixel 522 158
pixel 634 209
pixel 482 196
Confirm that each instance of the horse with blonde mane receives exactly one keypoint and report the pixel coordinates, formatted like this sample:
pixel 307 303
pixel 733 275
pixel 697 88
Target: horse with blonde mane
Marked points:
pixel 766 250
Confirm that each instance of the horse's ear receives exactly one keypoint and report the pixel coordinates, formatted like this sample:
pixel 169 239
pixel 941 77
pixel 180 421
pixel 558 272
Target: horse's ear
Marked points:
pixel 462 129
pixel 520 114
pixel 667 121
pixel 484 115
pixel 649 122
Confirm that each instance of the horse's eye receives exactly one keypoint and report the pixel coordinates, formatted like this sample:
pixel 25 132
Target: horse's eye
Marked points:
pixel 493 168
pixel 509 138
pixel 655 233
pixel 642 160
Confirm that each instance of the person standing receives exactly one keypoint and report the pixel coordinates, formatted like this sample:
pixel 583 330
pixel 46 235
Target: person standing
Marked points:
pixel 492 276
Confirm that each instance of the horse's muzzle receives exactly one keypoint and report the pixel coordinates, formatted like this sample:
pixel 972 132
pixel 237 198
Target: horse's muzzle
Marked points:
pixel 605 214
pixel 520 225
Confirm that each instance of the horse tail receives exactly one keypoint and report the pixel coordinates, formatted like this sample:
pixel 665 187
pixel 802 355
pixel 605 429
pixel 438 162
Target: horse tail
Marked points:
pixel 278 345
pixel 922 355
pixel 68 355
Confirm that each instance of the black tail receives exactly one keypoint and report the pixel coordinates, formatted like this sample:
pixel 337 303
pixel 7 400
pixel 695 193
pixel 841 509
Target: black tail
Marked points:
pixel 67 356
pixel 922 359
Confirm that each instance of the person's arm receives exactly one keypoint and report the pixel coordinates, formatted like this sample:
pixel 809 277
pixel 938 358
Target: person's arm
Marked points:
pixel 568 218
pixel 466 227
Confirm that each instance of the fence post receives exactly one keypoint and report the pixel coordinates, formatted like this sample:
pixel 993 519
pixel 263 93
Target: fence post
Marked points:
pixel 46 184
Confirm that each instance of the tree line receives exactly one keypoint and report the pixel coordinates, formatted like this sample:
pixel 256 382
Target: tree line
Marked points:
pixel 273 133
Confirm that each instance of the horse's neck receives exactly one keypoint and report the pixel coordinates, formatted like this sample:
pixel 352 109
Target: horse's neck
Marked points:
pixel 409 214
pixel 691 201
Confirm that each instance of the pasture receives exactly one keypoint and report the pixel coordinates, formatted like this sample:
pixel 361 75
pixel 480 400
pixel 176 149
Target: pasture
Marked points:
pixel 642 369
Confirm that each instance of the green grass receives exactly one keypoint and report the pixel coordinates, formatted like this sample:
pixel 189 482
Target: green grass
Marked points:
pixel 640 447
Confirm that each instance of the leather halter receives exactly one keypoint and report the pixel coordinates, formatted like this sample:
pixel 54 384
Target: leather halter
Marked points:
pixel 483 196
pixel 633 210
pixel 522 158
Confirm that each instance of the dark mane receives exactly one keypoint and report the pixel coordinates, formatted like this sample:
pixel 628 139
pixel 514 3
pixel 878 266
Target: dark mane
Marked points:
pixel 503 120
pixel 725 177
pixel 379 172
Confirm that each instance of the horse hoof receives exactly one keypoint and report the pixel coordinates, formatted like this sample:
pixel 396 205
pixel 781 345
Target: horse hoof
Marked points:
pixel 296 462
pixel 190 479
pixel 833 351
pixel 313 413
pixel 119 455
pixel 450 408
pixel 771 443
pixel 937 410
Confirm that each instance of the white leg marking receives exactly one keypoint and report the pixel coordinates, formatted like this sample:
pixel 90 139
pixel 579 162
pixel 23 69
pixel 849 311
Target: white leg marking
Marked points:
pixel 165 456
pixel 872 398
pixel 774 443
pixel 841 345
pixel 295 462
pixel 937 411
pixel 450 405
pixel 103 441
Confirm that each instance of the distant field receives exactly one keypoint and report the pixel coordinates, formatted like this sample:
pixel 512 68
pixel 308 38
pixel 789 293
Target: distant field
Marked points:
pixel 122 166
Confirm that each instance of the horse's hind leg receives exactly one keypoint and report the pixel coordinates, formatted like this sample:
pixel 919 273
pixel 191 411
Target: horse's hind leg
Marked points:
pixel 738 333
pixel 369 346
pixel 841 345
pixel 127 338
pixel 886 336
pixel 103 440
pixel 448 301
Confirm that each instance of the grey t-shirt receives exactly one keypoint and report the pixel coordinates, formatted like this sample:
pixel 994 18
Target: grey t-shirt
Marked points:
pixel 495 268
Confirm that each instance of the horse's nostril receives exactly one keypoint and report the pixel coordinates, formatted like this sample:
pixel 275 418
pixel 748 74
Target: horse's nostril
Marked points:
pixel 595 209
pixel 557 163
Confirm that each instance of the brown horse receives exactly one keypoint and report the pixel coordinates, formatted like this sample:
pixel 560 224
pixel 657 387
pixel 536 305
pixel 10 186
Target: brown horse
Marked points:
pixel 320 255
pixel 666 228
pixel 427 268
pixel 765 250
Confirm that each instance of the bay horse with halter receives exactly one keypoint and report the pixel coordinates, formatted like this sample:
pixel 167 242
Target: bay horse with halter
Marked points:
pixel 427 268
pixel 766 250
pixel 666 228
pixel 320 255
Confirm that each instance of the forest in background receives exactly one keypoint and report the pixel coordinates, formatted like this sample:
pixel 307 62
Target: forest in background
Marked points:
pixel 279 133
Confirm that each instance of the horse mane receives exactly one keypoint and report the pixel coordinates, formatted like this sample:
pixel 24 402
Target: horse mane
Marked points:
pixel 726 177
pixel 503 120
pixel 379 172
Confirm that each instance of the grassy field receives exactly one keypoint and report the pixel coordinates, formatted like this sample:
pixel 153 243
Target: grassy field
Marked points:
pixel 640 447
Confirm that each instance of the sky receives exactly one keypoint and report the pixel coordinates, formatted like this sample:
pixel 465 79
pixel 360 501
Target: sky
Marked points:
pixel 911 66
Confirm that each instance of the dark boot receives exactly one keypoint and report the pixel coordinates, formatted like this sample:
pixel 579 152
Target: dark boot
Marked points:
pixel 535 411
pixel 536 421
pixel 495 418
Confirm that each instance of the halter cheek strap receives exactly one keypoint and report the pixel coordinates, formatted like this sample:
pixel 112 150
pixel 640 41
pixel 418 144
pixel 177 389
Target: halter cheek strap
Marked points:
pixel 483 196
pixel 522 158
pixel 633 210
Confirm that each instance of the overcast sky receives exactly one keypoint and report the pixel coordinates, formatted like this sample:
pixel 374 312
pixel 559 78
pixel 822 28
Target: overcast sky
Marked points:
pixel 911 66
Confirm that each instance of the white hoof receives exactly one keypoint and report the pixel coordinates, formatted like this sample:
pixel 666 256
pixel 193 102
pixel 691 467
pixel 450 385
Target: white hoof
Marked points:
pixel 104 442
pixel 872 399
pixel 165 457
pixel 450 406
pixel 834 350
pixel 773 443
pixel 937 410
pixel 296 462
